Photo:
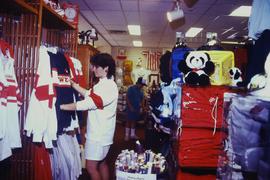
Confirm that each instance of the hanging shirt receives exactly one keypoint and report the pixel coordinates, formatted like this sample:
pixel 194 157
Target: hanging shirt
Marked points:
pixel 41 104
pixel 10 102
pixel 64 91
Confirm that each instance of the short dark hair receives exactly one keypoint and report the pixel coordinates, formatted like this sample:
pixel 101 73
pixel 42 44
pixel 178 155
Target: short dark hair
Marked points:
pixel 104 60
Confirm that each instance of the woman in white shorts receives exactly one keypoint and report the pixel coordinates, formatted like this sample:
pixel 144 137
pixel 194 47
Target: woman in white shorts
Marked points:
pixel 101 102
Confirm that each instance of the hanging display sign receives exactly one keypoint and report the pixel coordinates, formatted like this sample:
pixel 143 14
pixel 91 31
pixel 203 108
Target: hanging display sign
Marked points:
pixel 153 59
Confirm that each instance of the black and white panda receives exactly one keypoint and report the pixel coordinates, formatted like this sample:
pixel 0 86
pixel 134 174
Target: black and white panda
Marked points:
pixel 235 75
pixel 197 68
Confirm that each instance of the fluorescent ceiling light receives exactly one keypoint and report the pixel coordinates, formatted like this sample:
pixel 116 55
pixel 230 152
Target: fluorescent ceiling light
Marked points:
pixel 193 31
pixel 242 11
pixel 134 30
pixel 227 30
pixel 232 36
pixel 137 43
pixel 231 42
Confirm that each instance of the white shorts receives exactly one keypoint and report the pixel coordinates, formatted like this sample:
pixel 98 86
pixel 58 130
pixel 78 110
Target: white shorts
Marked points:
pixel 95 151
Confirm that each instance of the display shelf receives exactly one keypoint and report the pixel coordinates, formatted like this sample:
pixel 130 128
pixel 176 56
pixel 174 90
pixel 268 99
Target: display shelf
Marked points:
pixel 52 20
pixel 17 7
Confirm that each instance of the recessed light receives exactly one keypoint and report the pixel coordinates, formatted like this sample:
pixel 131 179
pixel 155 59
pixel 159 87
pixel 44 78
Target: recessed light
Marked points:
pixel 137 43
pixel 242 11
pixel 134 30
pixel 193 31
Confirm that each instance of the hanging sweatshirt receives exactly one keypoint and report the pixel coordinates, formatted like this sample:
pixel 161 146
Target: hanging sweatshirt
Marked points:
pixel 43 128
pixel 64 92
pixel 10 103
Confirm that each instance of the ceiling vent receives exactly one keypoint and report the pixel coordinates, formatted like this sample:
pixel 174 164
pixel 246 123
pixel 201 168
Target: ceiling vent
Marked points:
pixel 119 32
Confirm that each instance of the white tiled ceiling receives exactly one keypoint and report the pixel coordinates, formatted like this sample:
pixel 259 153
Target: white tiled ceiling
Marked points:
pixel 108 16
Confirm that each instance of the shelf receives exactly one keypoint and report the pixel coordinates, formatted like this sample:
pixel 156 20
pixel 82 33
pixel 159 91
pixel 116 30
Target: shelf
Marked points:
pixel 17 7
pixel 52 20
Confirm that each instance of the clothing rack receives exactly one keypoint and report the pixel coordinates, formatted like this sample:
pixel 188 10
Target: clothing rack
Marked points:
pixel 59 49
pixel 26 25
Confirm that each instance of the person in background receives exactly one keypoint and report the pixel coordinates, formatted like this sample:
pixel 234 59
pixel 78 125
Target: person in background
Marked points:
pixel 101 103
pixel 135 98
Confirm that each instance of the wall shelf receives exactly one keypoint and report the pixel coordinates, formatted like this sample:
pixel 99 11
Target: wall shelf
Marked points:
pixel 52 20
pixel 17 7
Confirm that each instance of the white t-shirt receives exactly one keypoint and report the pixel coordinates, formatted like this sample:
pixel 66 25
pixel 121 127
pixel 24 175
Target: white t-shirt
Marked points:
pixel 101 108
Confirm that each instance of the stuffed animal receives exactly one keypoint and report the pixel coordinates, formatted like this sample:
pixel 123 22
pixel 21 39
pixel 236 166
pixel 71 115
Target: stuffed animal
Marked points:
pixel 235 75
pixel 197 68
pixel 260 83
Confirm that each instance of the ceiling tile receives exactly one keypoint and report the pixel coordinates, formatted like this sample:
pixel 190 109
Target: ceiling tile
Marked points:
pixel 130 5
pixel 132 17
pixel 151 18
pixel 108 5
pixel 110 17
pixel 90 17
pixel 121 37
pixel 155 6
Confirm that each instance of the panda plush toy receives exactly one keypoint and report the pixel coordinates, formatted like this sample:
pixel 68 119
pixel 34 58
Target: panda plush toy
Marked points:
pixel 197 68
pixel 236 79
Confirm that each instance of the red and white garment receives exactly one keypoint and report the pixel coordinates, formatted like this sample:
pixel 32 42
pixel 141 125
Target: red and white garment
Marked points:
pixel 77 76
pixel 10 102
pixel 76 70
pixel 43 128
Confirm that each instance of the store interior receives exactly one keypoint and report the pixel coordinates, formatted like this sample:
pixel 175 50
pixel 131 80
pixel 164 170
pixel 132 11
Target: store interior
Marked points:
pixel 205 112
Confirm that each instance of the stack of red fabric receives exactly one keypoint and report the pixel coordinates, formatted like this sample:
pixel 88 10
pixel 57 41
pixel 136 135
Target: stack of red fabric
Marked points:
pixel 201 114
pixel 189 176
pixel 202 106
pixel 199 148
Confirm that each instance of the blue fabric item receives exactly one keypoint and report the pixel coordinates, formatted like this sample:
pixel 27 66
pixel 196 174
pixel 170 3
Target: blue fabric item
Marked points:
pixel 178 54
pixel 259 18
pixel 133 115
pixel 248 121
pixel 263 170
pixel 165 106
